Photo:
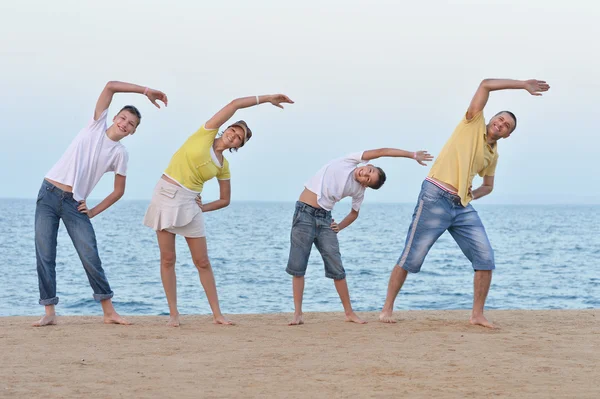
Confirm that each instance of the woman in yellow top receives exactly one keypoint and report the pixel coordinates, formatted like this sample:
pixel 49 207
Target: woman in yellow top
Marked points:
pixel 177 208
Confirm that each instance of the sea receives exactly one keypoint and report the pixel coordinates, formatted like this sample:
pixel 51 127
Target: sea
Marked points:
pixel 547 257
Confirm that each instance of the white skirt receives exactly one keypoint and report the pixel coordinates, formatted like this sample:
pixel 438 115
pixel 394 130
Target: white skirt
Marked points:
pixel 174 209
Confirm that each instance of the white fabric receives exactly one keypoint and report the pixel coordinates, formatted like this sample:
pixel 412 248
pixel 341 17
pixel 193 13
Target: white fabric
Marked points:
pixel 89 156
pixel 335 181
pixel 174 209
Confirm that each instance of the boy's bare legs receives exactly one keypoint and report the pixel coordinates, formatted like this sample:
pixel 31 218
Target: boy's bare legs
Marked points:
pixel 298 288
pixel 166 243
pixel 342 288
pixel 199 252
pixel 110 314
pixel 481 287
pixel 49 319
pixel 397 279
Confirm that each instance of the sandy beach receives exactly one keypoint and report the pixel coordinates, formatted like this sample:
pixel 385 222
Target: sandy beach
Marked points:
pixel 534 354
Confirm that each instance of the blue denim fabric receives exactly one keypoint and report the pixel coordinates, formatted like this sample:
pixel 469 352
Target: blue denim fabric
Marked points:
pixel 437 211
pixel 312 225
pixel 52 205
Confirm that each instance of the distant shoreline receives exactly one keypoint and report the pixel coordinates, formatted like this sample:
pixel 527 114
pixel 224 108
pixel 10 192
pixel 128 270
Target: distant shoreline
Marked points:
pixel 485 202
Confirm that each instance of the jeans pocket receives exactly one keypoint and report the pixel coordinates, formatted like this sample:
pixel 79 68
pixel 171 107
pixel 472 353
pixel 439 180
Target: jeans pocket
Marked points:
pixel 41 194
pixel 295 217
pixel 430 197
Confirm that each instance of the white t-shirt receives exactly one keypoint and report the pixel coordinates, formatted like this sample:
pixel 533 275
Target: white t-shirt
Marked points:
pixel 335 181
pixel 89 156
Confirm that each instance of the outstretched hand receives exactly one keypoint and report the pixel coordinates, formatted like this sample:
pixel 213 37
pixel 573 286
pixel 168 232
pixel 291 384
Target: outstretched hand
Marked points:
pixel 422 156
pixel 277 99
pixel 154 95
pixel 536 87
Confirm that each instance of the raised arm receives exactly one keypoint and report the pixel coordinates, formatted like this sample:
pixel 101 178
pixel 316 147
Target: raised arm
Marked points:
pixel 420 156
pixel 230 109
pixel 480 99
pixel 113 87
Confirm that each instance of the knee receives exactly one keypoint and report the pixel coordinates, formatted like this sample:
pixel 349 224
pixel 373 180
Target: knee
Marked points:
pixel 167 260
pixel 202 263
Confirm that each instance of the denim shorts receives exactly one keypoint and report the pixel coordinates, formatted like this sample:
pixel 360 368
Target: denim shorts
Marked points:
pixel 437 211
pixel 313 225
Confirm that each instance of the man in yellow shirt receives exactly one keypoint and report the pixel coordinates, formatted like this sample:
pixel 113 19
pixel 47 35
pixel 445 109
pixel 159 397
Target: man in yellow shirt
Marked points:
pixel 444 200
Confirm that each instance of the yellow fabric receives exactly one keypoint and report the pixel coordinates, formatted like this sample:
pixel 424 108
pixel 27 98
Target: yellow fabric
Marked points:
pixel 465 154
pixel 192 165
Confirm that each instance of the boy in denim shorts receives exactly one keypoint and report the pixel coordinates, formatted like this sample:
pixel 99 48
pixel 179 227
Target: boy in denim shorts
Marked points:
pixel 312 221
pixel 444 201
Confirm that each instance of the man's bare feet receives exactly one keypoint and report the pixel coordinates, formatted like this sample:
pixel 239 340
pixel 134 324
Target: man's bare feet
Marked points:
pixel 297 320
pixel 115 318
pixel 173 321
pixel 223 320
pixel 386 317
pixel 46 320
pixel 481 321
pixel 353 318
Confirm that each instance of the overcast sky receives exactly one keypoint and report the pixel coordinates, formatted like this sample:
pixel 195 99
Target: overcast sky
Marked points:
pixel 364 74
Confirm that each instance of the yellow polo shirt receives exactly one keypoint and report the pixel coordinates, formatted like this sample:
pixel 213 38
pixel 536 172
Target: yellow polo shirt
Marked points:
pixel 193 164
pixel 465 154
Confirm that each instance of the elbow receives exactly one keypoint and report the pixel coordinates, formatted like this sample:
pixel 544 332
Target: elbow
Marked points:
pixel 118 194
pixel 485 83
pixel 111 85
pixel 225 203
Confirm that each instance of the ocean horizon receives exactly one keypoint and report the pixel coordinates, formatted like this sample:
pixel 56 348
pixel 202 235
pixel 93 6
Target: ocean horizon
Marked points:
pixel 546 258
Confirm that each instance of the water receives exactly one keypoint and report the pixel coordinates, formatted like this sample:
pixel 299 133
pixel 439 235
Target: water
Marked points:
pixel 546 258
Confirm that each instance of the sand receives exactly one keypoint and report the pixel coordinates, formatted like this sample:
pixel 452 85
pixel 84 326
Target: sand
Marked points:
pixel 428 354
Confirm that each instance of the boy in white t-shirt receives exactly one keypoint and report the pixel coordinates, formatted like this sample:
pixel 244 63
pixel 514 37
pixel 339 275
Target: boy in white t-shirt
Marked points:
pixel 95 151
pixel 312 222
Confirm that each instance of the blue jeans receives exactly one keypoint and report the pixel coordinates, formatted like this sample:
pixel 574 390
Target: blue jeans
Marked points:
pixel 437 211
pixel 52 205
pixel 313 225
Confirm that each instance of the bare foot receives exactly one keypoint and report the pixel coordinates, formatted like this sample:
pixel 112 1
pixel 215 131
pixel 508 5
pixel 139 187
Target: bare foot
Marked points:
pixel 386 317
pixel 481 321
pixel 353 318
pixel 114 318
pixel 173 321
pixel 223 320
pixel 297 320
pixel 46 320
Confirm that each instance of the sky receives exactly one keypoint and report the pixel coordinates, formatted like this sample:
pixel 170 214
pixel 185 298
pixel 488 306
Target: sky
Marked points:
pixel 363 75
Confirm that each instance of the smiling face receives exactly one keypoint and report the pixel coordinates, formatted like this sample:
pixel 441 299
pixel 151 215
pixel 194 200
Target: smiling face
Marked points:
pixel 368 176
pixel 501 126
pixel 233 136
pixel 125 123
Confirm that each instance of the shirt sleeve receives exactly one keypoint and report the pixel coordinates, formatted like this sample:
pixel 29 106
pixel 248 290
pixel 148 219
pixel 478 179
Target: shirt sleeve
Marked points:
pixel 94 124
pixel 224 173
pixel 206 132
pixel 357 201
pixel 478 117
pixel 491 169
pixel 121 166
pixel 355 157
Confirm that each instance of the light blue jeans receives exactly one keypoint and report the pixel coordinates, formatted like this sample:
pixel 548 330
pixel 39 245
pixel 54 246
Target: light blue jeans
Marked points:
pixel 52 205
pixel 437 211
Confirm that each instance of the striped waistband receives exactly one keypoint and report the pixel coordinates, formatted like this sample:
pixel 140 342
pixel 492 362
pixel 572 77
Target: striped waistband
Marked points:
pixel 432 181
